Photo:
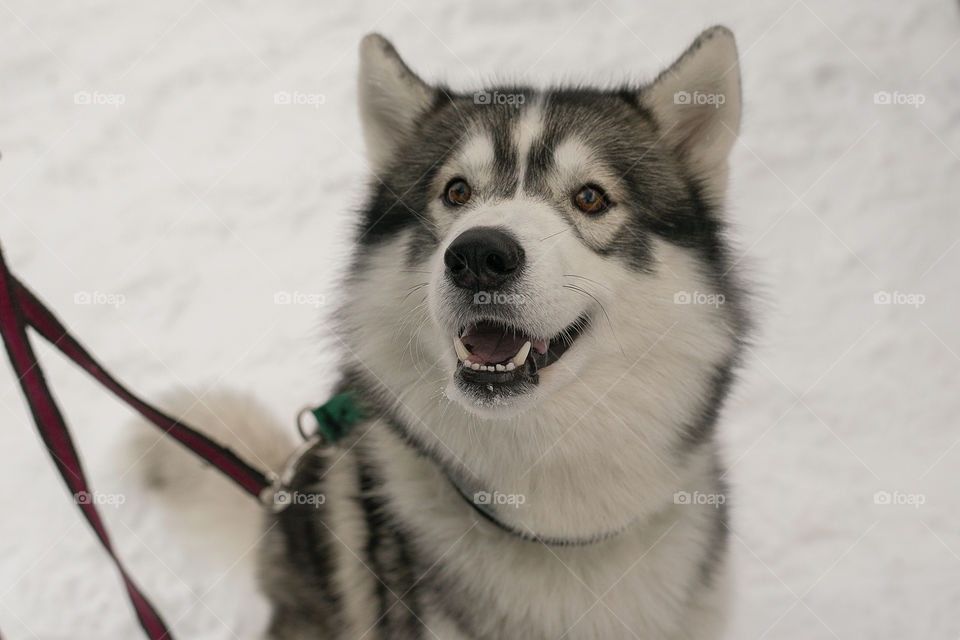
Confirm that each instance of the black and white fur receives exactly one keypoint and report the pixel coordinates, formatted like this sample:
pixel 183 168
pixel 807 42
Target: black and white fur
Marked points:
pixel 604 438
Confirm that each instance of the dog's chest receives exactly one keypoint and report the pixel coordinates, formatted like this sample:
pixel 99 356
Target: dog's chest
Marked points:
pixel 496 590
pixel 475 580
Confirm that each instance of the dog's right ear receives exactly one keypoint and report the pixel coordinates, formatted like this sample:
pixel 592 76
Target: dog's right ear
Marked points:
pixel 391 96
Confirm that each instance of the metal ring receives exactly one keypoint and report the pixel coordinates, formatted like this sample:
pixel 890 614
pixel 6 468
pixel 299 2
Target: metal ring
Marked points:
pixel 300 426
pixel 268 497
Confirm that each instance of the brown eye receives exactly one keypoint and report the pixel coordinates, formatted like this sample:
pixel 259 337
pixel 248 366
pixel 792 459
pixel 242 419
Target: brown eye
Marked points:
pixel 591 199
pixel 457 193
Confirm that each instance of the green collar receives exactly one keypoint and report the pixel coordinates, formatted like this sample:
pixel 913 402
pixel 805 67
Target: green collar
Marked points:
pixel 335 418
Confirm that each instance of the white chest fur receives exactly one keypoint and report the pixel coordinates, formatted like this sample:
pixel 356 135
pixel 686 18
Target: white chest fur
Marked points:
pixel 638 584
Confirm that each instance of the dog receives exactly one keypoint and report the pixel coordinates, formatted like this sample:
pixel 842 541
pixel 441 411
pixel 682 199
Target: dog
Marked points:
pixel 542 320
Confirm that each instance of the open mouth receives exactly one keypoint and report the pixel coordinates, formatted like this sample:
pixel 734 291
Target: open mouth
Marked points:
pixel 493 353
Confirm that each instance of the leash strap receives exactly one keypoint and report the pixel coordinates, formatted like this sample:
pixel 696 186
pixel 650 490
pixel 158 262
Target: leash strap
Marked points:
pixel 224 460
pixel 19 308
pixel 55 436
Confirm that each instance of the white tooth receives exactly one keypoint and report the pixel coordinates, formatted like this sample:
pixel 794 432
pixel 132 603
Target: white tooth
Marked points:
pixel 475 366
pixel 510 366
pixel 462 352
pixel 500 367
pixel 521 356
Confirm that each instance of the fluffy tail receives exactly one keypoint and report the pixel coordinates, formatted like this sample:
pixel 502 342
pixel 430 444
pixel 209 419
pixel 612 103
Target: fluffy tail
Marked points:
pixel 205 510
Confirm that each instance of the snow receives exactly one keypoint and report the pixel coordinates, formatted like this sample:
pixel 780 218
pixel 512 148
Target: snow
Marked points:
pixel 186 209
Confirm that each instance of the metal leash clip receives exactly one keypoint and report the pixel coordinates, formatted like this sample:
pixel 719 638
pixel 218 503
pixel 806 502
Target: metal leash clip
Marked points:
pixel 278 496
pixel 333 420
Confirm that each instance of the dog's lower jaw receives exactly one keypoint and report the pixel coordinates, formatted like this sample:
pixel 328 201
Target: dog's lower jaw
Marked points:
pixel 492 403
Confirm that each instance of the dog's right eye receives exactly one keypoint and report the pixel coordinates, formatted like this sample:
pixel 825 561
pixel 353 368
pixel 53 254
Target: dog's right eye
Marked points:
pixel 457 192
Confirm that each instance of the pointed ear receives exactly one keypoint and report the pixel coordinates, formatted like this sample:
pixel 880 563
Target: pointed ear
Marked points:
pixel 697 103
pixel 391 98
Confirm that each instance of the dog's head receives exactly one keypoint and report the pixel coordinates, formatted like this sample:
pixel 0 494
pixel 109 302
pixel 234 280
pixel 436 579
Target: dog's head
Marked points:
pixel 518 240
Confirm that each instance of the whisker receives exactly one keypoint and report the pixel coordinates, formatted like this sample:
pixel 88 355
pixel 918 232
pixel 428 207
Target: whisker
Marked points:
pixel 413 290
pixel 555 234
pixel 602 310
pixel 599 284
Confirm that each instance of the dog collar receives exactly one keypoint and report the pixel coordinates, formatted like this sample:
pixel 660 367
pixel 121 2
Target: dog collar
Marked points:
pixel 336 418
pixel 472 496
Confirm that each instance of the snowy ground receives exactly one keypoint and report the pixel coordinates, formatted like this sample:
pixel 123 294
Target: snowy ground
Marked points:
pixel 182 212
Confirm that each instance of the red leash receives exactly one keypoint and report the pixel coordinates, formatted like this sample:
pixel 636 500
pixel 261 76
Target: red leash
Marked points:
pixel 20 309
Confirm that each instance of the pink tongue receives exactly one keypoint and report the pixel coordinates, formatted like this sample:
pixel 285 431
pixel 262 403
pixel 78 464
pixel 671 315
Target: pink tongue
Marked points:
pixel 493 345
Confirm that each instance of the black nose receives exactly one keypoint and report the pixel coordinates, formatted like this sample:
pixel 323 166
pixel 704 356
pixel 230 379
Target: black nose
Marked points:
pixel 483 258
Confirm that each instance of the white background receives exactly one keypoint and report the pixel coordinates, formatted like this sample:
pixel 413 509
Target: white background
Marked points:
pixel 199 198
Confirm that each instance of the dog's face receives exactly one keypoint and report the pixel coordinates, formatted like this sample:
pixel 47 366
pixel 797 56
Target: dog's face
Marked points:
pixel 528 239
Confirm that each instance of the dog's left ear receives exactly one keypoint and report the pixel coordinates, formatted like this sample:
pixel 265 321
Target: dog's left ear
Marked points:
pixel 697 103
pixel 392 97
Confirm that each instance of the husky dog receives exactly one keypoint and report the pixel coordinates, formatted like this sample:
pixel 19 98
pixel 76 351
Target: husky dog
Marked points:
pixel 540 327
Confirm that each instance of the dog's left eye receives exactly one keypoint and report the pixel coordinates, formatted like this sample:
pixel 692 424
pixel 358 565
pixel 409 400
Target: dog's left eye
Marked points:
pixel 457 193
pixel 591 199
